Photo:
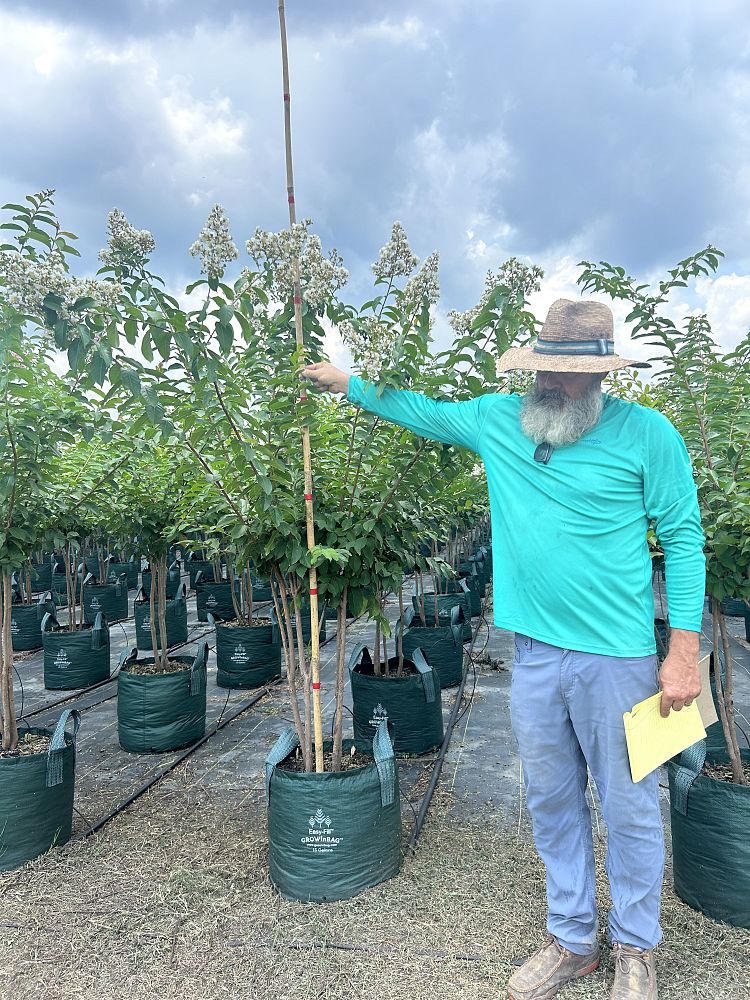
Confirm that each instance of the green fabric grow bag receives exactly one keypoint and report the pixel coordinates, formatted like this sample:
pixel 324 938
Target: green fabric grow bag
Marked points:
pixel 334 834
pixel 306 627
pixel 442 647
pixel 41 577
pixel 75 659
pixel 261 590
pixel 159 712
pixel 111 599
pixel 247 657
pixel 36 796
pixel 216 599
pixel 446 603
pixel 474 587
pixel 174 577
pixel 26 624
pixel 176 619
pixel 411 705
pixel 128 569
pixel 710 838
pixel 203 566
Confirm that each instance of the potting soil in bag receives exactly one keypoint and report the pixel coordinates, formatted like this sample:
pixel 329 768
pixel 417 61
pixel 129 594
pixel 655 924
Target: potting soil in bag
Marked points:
pixel 247 657
pixel 411 705
pixel 36 796
pixel 710 837
pixel 334 834
pixel 160 712
pixel 75 659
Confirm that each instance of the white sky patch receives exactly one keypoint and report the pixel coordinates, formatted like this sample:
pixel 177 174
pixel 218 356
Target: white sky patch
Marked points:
pixel 204 129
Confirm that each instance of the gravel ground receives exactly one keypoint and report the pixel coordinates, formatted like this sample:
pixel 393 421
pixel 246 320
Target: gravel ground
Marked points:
pixel 173 900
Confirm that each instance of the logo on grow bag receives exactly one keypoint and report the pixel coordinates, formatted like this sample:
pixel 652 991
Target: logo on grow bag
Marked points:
pixel 211 601
pixel 320 834
pixel 240 655
pixel 61 660
pixel 379 713
pixel 14 626
pixel 146 623
pixel 95 603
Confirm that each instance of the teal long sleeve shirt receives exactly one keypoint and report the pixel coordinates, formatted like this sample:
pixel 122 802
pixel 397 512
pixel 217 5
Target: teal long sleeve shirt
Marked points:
pixel 571 561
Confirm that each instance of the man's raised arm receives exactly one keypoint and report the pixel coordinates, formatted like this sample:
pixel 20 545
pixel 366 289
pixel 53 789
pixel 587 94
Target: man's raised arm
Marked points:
pixel 451 423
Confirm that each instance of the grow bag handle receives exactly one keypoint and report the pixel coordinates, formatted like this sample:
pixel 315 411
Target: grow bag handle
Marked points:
pixel 126 656
pixel 689 766
pixel 464 586
pixel 427 674
pixel 49 619
pixel 57 746
pixel 182 596
pixel 89 576
pixel 199 577
pixel 356 653
pixel 405 622
pixel 198 669
pixel 120 582
pixel 284 745
pixel 141 594
pixel 382 751
pixel 98 632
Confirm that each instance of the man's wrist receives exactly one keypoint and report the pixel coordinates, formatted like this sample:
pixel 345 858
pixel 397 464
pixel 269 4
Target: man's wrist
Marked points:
pixel 683 641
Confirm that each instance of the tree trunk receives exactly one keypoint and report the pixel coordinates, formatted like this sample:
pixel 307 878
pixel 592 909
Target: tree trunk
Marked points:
pixel 161 609
pixel 152 609
pixel 338 718
pixel 10 729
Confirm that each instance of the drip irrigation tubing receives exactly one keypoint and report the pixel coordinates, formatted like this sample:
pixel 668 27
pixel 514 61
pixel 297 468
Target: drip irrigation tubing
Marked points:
pixel 184 754
pixel 437 767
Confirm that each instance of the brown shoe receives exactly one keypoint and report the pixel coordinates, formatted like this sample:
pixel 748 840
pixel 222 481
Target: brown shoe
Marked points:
pixel 635 974
pixel 548 970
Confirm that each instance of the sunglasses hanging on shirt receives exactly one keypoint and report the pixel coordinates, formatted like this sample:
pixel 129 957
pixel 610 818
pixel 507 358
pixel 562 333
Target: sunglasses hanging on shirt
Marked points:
pixel 543 452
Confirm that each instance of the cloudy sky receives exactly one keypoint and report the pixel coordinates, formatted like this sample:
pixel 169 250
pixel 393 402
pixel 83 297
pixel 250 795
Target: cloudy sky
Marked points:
pixel 553 130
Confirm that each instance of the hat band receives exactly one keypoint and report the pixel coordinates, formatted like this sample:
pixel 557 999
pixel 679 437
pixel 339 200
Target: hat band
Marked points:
pixel 602 346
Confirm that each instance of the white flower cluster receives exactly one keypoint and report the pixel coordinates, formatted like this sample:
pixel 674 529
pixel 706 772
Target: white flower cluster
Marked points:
pixel 513 273
pixel 214 245
pixel 125 243
pixel 26 283
pixel 425 283
pixel 395 259
pixel 371 343
pixel 320 276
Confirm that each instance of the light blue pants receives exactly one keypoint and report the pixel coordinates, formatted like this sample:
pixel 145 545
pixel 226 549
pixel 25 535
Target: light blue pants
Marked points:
pixel 567 709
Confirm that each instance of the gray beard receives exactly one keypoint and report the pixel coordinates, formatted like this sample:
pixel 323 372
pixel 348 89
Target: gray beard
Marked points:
pixel 550 416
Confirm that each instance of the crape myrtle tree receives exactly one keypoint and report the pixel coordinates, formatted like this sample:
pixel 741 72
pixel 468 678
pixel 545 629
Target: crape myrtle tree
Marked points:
pixel 42 306
pixel 705 391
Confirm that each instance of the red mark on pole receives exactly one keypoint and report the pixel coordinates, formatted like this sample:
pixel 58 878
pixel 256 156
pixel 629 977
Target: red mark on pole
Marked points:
pixel 290 199
pixel 308 496
pixel 298 300
pixel 316 687
pixel 303 396
pixel 286 97
pixel 313 591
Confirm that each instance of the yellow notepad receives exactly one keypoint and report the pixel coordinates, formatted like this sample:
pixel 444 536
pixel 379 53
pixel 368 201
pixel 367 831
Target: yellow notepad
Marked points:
pixel 652 740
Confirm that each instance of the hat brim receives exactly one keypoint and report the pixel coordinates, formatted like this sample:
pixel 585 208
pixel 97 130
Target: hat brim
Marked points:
pixel 528 359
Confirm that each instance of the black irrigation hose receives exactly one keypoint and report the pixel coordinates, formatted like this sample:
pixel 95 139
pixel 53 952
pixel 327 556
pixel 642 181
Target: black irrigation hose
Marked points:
pixel 184 754
pixel 438 765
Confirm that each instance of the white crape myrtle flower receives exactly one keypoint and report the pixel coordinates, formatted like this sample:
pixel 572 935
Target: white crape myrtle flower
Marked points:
pixel 519 277
pixel 27 282
pixel 370 341
pixel 425 283
pixel 125 243
pixel 396 259
pixel 214 245
pixel 320 276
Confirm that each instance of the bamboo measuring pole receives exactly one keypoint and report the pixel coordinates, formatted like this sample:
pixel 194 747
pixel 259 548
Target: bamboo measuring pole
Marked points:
pixel 309 518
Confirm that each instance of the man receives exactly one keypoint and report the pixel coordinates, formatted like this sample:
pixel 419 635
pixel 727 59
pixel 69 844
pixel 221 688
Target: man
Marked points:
pixel 575 477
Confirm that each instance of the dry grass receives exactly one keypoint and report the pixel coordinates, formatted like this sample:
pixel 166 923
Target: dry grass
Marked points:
pixel 173 900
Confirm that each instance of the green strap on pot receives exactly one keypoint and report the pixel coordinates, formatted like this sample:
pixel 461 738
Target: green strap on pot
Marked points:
pixel 211 618
pixel 98 632
pixel 57 746
pixel 198 669
pixel 356 653
pixel 284 745
pixel 199 577
pixel 126 656
pixel 120 582
pixel 89 576
pixel 689 766
pixel 427 673
pixel 382 751
pixel 177 596
pixel 49 619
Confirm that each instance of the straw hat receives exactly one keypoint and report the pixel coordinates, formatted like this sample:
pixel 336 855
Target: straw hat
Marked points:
pixel 576 337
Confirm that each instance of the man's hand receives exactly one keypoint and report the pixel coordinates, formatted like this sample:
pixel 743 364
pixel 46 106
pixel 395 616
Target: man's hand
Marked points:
pixel 679 677
pixel 325 376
